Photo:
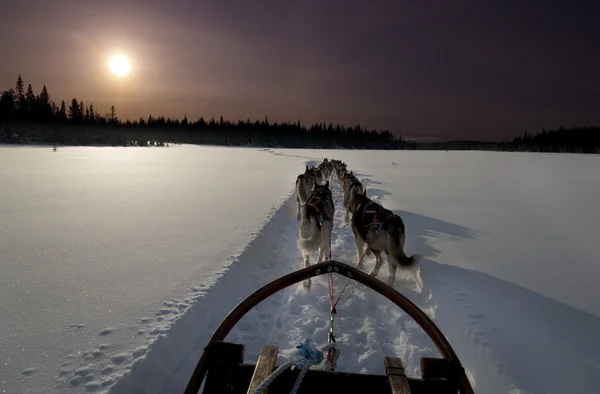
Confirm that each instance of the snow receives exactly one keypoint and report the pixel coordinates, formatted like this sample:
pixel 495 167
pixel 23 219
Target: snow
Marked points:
pixel 118 263
pixel 102 248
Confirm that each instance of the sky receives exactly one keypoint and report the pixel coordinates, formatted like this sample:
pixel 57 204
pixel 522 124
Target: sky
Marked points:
pixel 473 69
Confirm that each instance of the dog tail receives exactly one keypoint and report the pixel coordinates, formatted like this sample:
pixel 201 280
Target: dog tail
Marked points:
pixel 395 244
pixel 310 236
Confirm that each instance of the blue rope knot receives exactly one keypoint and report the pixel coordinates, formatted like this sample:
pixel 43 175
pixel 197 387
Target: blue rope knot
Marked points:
pixel 379 228
pixel 308 352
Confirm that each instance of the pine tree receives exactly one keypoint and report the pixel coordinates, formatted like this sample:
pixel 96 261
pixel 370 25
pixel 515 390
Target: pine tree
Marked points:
pixel 92 114
pixel 44 105
pixel 20 95
pixel 31 102
pixel 74 110
pixel 62 114
pixel 113 115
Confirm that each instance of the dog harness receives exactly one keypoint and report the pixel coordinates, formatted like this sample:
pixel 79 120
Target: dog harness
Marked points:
pixel 318 205
pixel 376 216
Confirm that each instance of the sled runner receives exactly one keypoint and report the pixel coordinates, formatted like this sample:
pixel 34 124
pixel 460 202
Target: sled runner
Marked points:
pixel 222 362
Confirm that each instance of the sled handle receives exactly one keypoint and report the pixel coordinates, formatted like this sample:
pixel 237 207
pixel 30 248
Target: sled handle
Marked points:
pixel 348 271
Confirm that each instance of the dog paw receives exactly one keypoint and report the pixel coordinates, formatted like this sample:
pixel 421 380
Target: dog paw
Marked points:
pixel 373 273
pixel 390 281
pixel 306 284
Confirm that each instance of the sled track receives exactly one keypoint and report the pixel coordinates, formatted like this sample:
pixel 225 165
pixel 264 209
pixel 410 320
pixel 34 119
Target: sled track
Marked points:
pixel 367 325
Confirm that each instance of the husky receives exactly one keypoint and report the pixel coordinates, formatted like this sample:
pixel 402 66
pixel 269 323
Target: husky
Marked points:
pixel 326 168
pixel 351 187
pixel 316 225
pixel 304 184
pixel 341 171
pixel 382 231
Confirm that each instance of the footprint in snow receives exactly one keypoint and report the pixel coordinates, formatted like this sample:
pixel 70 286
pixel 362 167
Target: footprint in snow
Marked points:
pixel 83 371
pixel 92 386
pixel 75 381
pixel 119 358
pixel 107 370
pixel 106 331
pixel 139 352
pixel 163 311
pixel 29 372
pixel 107 382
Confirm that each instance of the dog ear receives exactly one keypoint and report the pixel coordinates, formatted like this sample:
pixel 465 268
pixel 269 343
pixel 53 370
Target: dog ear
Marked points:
pixel 365 192
pixel 351 173
pixel 326 184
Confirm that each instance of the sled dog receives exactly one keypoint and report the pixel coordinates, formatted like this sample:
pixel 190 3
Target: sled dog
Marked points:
pixel 351 187
pixel 326 168
pixel 304 185
pixel 382 231
pixel 340 171
pixel 316 225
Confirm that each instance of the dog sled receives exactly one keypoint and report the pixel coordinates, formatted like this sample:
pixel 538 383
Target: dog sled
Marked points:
pixel 222 370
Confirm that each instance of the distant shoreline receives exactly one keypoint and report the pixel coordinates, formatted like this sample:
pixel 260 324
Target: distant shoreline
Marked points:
pixel 62 134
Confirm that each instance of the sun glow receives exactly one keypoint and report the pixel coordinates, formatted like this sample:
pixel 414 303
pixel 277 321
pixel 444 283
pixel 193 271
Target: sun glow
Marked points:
pixel 119 65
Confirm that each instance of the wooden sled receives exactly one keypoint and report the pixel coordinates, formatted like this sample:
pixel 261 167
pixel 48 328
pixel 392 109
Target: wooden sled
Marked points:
pixel 222 362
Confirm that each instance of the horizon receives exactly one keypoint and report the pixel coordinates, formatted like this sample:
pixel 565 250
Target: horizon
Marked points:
pixel 462 71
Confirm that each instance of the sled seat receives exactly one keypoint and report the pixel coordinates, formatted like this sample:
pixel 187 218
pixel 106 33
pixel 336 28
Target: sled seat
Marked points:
pixel 227 374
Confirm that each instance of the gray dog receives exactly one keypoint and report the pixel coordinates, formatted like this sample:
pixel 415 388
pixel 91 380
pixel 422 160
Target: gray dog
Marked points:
pixel 316 225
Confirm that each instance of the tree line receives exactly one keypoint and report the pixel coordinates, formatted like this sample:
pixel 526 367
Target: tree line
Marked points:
pixel 29 118
pixel 575 140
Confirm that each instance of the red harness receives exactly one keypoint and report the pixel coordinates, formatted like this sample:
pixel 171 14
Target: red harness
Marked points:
pixel 318 205
pixel 377 213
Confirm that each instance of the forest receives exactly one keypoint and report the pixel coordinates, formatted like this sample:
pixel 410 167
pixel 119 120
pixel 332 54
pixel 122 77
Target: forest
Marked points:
pixel 27 118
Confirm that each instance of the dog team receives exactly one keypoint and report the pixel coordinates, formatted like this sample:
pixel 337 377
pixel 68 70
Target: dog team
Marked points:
pixel 374 226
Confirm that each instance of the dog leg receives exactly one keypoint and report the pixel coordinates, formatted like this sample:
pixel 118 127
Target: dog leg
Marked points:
pixel 326 242
pixel 360 245
pixel 378 262
pixel 299 209
pixel 347 217
pixel 306 283
pixel 392 267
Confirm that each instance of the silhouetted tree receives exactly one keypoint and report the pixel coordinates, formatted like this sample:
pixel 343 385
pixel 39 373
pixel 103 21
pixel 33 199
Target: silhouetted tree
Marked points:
pixel 45 106
pixel 75 111
pixel 113 115
pixel 21 104
pixel 62 114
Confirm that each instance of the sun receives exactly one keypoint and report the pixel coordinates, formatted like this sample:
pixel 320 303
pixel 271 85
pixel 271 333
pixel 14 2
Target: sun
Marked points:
pixel 119 65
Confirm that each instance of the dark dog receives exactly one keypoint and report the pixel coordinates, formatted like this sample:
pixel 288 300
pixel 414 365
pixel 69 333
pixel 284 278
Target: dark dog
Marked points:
pixel 382 231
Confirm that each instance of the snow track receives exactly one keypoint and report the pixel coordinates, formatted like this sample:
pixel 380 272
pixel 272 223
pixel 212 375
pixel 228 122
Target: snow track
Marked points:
pixel 502 332
pixel 367 325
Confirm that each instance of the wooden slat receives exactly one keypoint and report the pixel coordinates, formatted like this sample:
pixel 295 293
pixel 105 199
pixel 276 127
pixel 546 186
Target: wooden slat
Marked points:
pixel 322 381
pixel 396 376
pixel 264 367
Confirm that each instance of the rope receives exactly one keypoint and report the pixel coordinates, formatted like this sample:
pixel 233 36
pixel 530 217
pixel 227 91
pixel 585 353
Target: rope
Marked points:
pixel 310 356
pixel 263 386
pixel 338 197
